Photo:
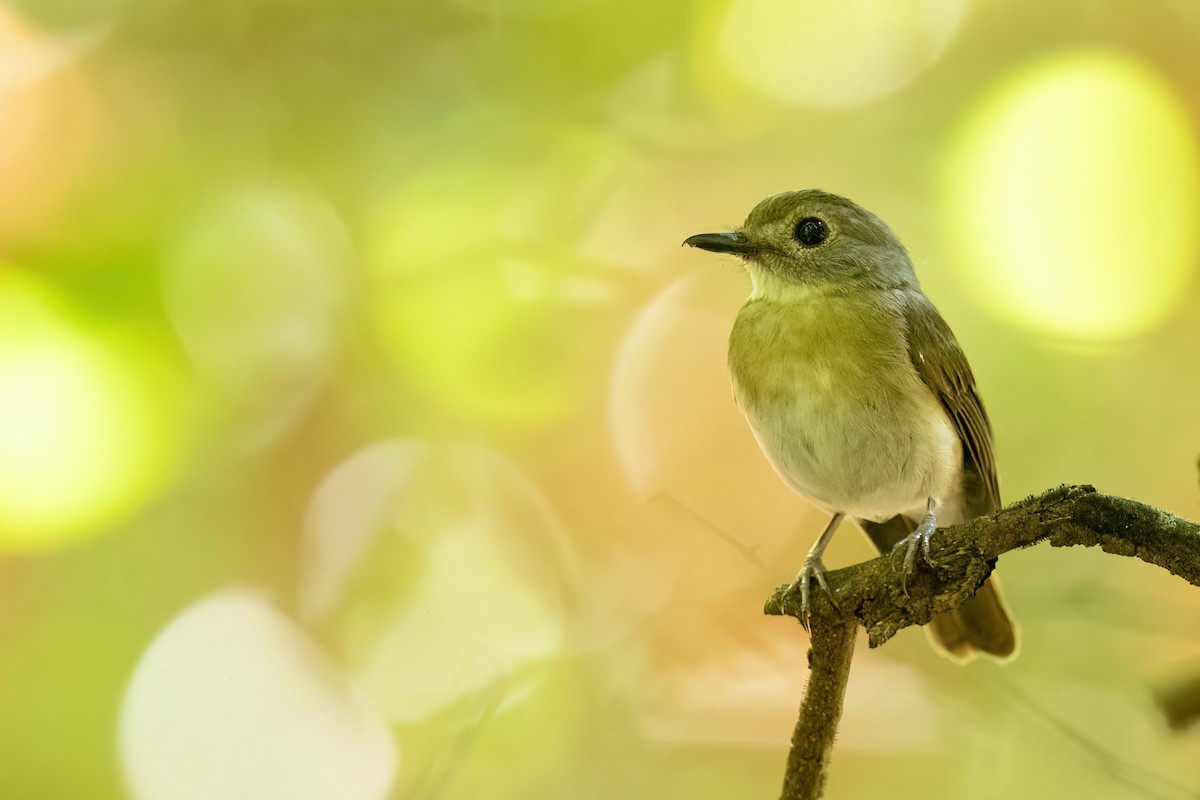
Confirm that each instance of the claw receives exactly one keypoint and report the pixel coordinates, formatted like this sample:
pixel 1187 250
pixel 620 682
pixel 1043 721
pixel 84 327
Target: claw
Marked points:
pixel 917 539
pixel 804 619
pixel 812 569
pixel 820 576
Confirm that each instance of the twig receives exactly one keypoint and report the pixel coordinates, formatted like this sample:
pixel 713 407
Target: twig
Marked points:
pixel 873 594
pixel 1179 701
pixel 812 740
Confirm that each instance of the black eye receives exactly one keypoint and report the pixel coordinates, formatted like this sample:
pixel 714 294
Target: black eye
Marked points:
pixel 811 231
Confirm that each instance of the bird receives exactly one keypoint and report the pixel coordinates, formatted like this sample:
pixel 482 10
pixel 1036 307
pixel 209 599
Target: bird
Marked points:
pixel 859 394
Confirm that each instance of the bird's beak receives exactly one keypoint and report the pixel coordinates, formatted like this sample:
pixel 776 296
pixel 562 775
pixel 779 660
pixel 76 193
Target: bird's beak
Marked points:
pixel 735 242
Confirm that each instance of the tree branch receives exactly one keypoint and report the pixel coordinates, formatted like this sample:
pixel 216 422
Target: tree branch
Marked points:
pixel 874 592
pixel 828 671
pixel 877 596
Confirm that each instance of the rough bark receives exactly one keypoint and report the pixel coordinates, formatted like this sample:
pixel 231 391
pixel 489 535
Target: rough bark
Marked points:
pixel 877 596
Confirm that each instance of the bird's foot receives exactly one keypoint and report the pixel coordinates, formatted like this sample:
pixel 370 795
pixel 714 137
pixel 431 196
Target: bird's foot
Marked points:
pixel 918 539
pixel 813 569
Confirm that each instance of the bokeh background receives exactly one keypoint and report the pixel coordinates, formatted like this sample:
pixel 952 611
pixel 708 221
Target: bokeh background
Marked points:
pixel 364 429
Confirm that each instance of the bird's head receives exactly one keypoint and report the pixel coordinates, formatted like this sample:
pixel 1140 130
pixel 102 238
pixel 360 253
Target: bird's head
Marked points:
pixel 812 239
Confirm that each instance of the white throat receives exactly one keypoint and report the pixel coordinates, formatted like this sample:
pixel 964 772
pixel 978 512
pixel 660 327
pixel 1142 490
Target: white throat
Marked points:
pixel 766 286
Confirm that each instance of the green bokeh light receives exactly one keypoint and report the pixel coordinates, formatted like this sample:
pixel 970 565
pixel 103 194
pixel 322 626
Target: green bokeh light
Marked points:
pixel 84 432
pixel 474 297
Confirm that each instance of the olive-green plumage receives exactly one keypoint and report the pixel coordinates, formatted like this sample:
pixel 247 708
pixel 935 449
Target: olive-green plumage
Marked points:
pixel 857 390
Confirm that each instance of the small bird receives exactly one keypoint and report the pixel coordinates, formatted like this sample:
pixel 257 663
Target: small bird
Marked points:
pixel 858 393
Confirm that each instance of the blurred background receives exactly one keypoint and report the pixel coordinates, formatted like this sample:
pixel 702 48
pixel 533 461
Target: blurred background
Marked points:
pixel 365 431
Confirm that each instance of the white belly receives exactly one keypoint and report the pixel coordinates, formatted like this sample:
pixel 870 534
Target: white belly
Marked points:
pixel 847 456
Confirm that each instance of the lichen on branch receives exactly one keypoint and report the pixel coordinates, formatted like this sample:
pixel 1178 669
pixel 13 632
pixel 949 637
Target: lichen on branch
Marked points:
pixel 884 601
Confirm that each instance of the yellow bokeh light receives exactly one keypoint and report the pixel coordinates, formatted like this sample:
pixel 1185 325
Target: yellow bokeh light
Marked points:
pixel 82 433
pixel 818 54
pixel 1073 195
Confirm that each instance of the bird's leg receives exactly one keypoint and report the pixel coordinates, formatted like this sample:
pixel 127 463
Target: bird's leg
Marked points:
pixel 918 538
pixel 813 568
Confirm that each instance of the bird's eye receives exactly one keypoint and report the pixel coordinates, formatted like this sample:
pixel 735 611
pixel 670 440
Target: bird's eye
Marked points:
pixel 811 231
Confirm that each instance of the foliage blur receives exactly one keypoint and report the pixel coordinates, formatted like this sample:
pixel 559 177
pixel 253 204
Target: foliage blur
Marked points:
pixel 364 430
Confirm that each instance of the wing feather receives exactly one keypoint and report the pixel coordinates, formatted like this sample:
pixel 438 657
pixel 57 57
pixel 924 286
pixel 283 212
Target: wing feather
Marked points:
pixel 943 367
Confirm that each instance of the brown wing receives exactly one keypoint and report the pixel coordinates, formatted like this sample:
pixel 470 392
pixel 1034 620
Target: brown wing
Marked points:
pixel 942 366
pixel 982 623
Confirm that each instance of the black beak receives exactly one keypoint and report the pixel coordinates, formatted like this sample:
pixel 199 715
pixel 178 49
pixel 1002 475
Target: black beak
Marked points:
pixel 734 242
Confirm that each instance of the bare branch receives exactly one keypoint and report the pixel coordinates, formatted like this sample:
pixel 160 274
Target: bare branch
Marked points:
pixel 884 602
pixel 812 740
pixel 875 595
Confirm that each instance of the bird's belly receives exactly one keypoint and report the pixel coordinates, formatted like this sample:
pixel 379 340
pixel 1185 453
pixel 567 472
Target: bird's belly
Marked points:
pixel 871 450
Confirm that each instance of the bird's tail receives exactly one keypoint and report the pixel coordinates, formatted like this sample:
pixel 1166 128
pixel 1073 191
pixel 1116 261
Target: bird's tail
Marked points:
pixel 980 625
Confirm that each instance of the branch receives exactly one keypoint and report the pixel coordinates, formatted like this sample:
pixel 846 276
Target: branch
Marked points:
pixel 812 741
pixel 877 596
pixel 884 601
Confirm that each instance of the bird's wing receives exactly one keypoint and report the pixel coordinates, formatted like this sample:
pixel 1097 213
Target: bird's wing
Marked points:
pixel 940 362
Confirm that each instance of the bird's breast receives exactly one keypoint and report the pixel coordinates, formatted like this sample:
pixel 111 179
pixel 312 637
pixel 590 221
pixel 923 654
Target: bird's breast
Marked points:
pixel 837 407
